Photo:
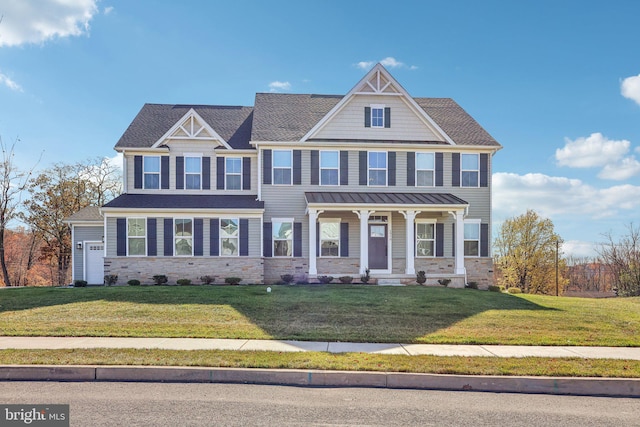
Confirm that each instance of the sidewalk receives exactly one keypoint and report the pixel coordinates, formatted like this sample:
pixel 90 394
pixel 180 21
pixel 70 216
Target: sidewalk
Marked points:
pixel 630 353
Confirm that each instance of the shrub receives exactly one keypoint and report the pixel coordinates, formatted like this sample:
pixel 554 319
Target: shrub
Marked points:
pixel 471 285
pixel 365 277
pixel 183 282
pixel 421 277
pixel 288 278
pixel 79 283
pixel 494 288
pixel 160 279
pixel 133 282
pixel 444 282
pixel 232 280
pixel 325 279
pixel 111 279
pixel 345 279
pixel 207 280
pixel 514 290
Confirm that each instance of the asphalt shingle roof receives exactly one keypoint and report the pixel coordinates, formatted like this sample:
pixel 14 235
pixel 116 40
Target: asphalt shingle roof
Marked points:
pixel 185 201
pixel 90 213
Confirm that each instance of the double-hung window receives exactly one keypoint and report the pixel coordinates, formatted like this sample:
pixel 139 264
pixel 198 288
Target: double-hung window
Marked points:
pixel 329 167
pixel 183 237
pixel 229 233
pixel 330 239
pixel 377 116
pixel 471 238
pixel 192 172
pixel 282 167
pixel 136 236
pixel 425 239
pixel 233 173
pixel 425 169
pixel 470 169
pixel 377 168
pixel 151 172
pixel 282 235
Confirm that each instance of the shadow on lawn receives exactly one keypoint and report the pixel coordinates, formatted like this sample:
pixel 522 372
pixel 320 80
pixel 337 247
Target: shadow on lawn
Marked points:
pixel 313 312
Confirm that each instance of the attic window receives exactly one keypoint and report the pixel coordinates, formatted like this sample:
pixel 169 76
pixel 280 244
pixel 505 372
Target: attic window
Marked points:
pixel 377 116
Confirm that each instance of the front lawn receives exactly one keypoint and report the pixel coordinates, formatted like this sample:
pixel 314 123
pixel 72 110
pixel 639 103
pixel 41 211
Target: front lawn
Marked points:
pixel 321 313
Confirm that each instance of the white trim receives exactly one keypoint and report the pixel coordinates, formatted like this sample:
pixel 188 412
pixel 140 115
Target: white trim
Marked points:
pixel 320 168
pixel 136 237
pixel 85 250
pixel 319 237
pixel 191 114
pixel 388 223
pixel 432 221
pixel 185 173
pixel 386 169
pixel 425 170
pixel 376 107
pixel 273 167
pixel 73 254
pixel 293 237
pixel 226 169
pixel 173 232
pixel 159 173
pixel 478 222
pixel 470 170
pixel 237 219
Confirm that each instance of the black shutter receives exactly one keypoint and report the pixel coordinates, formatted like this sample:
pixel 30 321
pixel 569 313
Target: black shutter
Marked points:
pixel 266 167
pixel 411 169
pixel 297 167
pixel 168 237
pixel 391 170
pixel 121 236
pixel 439 239
pixel 164 172
pixel 246 173
pixel 439 170
pixel 197 237
pixel 152 237
pixel 297 239
pixel 387 117
pixel 244 237
pixel 484 170
pixel 214 237
pixel 315 167
pixel 220 173
pixel 344 168
pixel 453 239
pixel 267 245
pixel 137 172
pixel 367 117
pixel 179 173
pixel 344 239
pixel 206 173
pixel 363 168
pixel 484 239
pixel 455 169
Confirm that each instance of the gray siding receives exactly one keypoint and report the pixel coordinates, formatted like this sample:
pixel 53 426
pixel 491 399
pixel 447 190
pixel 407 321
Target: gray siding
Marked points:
pixel 81 234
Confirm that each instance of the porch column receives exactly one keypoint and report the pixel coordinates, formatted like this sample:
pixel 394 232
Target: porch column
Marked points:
pixel 410 217
pixel 313 219
pixel 459 215
pixel 364 240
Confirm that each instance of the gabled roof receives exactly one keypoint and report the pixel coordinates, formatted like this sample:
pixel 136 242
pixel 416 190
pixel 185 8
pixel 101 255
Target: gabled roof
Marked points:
pixel 88 214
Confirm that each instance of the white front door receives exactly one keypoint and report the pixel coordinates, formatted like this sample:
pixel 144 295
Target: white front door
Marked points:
pixel 94 262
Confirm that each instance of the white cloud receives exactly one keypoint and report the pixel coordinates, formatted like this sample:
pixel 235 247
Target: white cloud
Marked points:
pixel 388 62
pixel 107 10
pixel 624 169
pixel 579 249
pixel 5 80
pixel 36 21
pixel 365 65
pixel 630 88
pixel 596 150
pixel 116 161
pixel 279 86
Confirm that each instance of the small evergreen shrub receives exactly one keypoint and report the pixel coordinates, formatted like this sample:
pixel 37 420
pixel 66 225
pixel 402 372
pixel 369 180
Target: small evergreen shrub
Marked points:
pixel 493 288
pixel 288 278
pixel 110 279
pixel 232 280
pixel 325 279
pixel 365 277
pixel 79 283
pixel 471 285
pixel 160 279
pixel 444 282
pixel 208 280
pixel 133 282
pixel 421 277
pixel 183 282
pixel 514 290
pixel 345 279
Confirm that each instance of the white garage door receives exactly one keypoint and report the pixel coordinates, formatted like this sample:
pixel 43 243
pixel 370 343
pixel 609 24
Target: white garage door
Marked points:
pixel 94 264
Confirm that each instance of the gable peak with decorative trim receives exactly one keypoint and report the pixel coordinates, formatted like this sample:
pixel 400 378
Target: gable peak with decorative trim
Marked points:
pixel 192 127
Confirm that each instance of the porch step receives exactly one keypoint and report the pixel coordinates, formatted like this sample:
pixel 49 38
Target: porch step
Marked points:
pixel 389 282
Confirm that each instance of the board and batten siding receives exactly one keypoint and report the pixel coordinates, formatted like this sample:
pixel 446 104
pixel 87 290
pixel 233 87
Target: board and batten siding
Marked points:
pixel 83 234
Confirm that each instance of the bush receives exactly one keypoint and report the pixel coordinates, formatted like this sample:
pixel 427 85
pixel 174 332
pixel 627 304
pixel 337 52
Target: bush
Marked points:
pixel 325 279
pixel 133 282
pixel 365 277
pixel 232 280
pixel 345 279
pixel 183 282
pixel 494 288
pixel 444 282
pixel 421 277
pixel 160 279
pixel 514 290
pixel 288 278
pixel 208 280
pixel 110 279
pixel 79 283
pixel 471 285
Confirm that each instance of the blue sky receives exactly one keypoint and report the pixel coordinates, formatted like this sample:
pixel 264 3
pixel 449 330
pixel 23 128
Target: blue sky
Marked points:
pixel 557 83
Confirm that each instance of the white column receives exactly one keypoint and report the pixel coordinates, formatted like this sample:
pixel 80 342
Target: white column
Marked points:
pixel 364 239
pixel 460 242
pixel 410 217
pixel 313 219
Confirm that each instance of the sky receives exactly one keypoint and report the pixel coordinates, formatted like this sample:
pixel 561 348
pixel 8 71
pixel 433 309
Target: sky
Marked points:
pixel 557 83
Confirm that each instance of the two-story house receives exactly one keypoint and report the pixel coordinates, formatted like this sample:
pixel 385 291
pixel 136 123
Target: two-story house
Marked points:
pixel 299 184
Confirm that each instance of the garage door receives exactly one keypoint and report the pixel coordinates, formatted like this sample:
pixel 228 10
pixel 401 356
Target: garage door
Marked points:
pixel 94 267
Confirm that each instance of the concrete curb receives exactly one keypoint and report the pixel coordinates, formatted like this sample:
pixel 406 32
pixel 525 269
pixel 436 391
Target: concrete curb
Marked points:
pixel 613 387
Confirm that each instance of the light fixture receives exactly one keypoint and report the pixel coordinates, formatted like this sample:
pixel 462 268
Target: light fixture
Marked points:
pixel 79 245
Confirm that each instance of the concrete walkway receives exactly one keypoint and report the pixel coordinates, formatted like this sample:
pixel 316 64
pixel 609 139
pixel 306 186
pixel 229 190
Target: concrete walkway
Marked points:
pixel 630 353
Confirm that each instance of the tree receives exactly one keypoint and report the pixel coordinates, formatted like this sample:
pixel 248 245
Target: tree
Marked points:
pixel 623 260
pixel 526 253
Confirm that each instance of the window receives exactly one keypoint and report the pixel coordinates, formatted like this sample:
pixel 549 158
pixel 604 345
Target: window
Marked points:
pixel 192 169
pixel 151 168
pixel 425 239
pixel 329 167
pixel 136 236
pixel 282 238
pixel 183 236
pixel 425 169
pixel 282 167
pixel 229 232
pixel 471 239
pixel 377 168
pixel 470 170
pixel 330 239
pixel 233 172
pixel 377 116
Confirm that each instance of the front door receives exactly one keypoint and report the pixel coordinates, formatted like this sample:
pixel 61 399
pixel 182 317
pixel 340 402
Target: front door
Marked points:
pixel 378 247
pixel 94 268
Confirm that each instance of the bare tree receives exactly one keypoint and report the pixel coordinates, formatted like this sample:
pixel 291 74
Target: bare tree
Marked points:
pixel 623 260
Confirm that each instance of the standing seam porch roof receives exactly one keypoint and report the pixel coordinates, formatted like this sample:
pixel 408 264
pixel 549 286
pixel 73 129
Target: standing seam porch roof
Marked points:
pixel 349 198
